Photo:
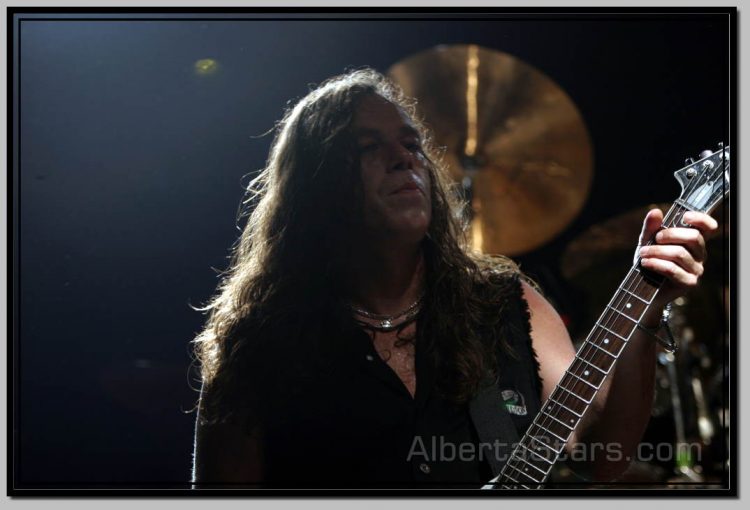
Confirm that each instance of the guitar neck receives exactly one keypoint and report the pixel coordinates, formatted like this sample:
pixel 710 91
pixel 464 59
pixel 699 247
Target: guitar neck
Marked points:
pixel 532 459
pixel 704 184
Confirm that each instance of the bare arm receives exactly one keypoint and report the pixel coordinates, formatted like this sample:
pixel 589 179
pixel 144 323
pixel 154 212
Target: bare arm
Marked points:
pixel 225 455
pixel 620 412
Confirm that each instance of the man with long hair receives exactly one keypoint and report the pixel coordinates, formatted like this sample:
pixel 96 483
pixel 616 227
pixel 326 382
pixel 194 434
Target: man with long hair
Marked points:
pixel 351 340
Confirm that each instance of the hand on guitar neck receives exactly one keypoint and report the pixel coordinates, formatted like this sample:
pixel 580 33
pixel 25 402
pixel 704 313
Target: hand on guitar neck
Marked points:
pixel 672 249
pixel 622 407
pixel 677 253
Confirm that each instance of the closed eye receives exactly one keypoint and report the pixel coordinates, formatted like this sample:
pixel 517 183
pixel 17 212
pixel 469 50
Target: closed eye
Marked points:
pixel 368 147
pixel 413 146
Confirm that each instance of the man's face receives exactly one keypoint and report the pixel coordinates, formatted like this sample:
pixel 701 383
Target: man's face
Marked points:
pixel 395 179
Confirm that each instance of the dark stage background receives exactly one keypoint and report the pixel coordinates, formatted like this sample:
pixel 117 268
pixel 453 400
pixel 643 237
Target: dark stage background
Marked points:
pixel 131 173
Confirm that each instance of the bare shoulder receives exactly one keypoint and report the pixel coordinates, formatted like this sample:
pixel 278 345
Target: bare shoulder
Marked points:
pixel 549 337
pixel 544 317
pixel 225 452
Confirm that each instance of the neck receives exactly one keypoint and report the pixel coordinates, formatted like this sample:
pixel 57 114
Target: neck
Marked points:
pixel 388 279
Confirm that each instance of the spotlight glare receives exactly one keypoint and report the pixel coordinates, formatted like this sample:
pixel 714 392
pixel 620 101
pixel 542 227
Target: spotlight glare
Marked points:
pixel 206 66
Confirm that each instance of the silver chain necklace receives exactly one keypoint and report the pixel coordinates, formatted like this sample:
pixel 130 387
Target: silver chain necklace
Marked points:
pixel 389 322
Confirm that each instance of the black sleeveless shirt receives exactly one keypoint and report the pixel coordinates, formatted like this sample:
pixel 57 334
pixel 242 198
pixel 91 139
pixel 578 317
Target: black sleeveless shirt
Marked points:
pixel 354 423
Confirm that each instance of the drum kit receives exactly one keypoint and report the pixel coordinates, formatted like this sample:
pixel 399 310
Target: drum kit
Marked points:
pixel 522 158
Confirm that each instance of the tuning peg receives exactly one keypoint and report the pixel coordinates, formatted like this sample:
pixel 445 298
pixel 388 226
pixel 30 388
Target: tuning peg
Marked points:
pixel 689 161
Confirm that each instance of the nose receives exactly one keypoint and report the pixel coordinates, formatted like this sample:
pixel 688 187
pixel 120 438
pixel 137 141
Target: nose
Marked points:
pixel 401 158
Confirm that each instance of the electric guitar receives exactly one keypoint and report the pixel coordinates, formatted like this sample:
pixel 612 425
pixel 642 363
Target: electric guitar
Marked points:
pixel 704 184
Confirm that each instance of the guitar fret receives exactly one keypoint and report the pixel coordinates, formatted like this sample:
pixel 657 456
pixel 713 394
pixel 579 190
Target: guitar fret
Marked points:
pixel 578 389
pixel 549 447
pixel 547 430
pixel 556 428
pixel 562 413
pixel 582 380
pixel 610 331
pixel 604 350
pixel 524 456
pixel 565 407
pixel 623 303
pixel 575 395
pixel 558 421
pixel 652 280
pixel 551 463
pixel 594 366
pixel 516 482
pixel 524 473
pixel 511 478
pixel 544 473
pixel 594 377
pixel 639 298
pixel 623 314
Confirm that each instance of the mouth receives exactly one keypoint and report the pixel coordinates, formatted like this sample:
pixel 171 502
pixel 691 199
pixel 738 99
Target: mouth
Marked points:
pixel 408 188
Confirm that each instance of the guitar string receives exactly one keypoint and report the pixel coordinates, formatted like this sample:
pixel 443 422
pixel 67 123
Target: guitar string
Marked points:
pixel 590 349
pixel 669 220
pixel 607 328
pixel 584 354
pixel 574 391
pixel 634 277
pixel 544 422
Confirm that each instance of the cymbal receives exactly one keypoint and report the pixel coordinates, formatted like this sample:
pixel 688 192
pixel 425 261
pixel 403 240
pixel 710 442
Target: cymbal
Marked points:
pixel 511 130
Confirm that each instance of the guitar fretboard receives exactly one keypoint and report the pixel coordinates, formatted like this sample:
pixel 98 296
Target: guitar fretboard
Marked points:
pixel 532 459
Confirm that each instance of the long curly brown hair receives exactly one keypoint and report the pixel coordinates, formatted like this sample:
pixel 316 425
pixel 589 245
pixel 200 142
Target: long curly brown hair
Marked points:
pixel 285 274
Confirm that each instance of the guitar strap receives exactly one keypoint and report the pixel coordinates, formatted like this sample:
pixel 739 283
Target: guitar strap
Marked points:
pixel 494 426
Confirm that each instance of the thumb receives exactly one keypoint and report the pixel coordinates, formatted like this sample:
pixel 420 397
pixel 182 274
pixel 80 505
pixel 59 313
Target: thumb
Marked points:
pixel 651 225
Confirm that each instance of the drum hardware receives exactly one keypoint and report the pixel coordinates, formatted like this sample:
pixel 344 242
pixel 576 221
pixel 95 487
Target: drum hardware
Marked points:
pixel 705 425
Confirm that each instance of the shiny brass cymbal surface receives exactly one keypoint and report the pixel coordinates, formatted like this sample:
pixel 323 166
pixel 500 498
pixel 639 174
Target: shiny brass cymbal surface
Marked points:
pixel 513 132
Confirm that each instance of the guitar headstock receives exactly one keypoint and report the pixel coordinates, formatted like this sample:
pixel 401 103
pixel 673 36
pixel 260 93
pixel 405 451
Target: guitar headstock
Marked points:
pixel 705 182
